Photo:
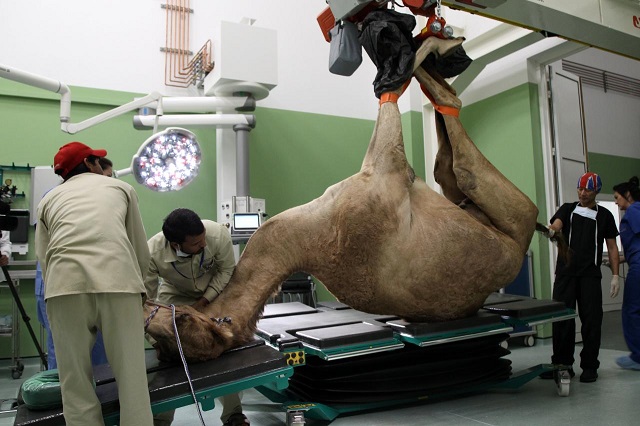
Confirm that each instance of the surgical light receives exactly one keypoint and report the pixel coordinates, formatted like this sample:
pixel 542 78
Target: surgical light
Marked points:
pixel 168 160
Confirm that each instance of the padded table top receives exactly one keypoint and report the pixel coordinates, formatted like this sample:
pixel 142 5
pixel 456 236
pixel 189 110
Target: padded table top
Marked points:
pixel 167 381
pixel 334 324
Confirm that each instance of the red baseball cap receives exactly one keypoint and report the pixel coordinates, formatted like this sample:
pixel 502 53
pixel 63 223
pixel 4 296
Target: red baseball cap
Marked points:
pixel 72 154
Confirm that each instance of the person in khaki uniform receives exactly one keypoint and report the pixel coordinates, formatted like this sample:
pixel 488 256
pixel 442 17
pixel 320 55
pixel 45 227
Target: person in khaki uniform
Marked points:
pixel 191 263
pixel 93 261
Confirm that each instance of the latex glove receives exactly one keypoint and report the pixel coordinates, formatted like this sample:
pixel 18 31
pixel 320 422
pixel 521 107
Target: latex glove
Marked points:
pixel 615 286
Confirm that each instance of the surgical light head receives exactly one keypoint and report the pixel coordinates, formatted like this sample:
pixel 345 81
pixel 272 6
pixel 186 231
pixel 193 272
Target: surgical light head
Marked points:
pixel 168 160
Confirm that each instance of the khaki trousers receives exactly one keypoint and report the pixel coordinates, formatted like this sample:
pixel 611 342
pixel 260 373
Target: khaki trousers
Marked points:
pixel 75 320
pixel 231 404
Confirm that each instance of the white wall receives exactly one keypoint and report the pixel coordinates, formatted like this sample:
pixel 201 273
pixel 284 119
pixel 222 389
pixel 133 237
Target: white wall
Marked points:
pixel 114 44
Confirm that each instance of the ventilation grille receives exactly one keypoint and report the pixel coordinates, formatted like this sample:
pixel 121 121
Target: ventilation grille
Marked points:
pixel 607 81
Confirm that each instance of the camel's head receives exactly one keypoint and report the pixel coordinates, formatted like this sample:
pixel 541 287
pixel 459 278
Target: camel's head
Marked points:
pixel 202 338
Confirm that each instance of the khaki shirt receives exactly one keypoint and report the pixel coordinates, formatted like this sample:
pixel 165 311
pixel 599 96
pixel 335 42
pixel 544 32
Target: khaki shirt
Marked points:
pixel 90 237
pixel 184 280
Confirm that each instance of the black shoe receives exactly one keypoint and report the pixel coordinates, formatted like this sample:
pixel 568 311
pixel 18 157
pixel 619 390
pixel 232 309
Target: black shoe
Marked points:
pixel 552 374
pixel 237 419
pixel 589 375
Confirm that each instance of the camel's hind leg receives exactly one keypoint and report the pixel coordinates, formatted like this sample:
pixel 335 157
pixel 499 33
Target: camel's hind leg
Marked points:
pixel 443 168
pixel 446 178
pixel 387 134
pixel 505 205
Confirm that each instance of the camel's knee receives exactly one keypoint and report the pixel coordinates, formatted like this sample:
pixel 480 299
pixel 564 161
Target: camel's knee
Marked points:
pixel 465 179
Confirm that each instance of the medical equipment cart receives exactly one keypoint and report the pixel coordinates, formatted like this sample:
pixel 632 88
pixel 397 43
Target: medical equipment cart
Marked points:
pixel 11 329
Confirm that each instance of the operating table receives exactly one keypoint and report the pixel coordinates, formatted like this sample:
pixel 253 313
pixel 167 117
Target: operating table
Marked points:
pixel 349 361
pixel 251 365
pixel 344 361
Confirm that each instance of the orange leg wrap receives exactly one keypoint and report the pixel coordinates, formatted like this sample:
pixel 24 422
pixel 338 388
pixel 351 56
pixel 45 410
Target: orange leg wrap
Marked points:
pixel 393 96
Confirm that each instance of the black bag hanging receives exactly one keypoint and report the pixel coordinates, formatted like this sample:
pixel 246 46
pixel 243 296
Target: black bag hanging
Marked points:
pixel 345 51
pixel 387 39
pixel 450 66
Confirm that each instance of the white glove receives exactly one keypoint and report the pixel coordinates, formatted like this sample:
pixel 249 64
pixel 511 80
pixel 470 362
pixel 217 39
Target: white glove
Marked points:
pixel 615 287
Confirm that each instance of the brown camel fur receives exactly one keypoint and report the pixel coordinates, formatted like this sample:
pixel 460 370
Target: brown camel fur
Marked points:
pixel 381 241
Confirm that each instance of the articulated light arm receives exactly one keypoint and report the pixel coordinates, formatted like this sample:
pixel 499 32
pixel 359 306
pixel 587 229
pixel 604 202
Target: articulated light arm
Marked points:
pixel 72 128
pixel 142 122
pixel 41 82
pixel 51 85
pixel 170 159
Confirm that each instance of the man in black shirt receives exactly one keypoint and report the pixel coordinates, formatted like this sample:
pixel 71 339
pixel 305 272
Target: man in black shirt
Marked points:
pixel 585 226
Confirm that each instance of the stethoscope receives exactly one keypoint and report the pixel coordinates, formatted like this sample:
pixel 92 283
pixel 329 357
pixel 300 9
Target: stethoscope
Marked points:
pixel 200 267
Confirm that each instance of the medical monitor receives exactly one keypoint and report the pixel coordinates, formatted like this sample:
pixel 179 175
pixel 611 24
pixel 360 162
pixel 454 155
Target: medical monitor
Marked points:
pixel 246 222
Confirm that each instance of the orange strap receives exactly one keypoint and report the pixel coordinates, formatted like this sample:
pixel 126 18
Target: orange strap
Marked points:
pixel 393 97
pixel 442 109
pixel 389 97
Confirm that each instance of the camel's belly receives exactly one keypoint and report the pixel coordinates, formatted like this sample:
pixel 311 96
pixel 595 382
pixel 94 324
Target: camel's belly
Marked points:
pixel 432 272
pixel 415 256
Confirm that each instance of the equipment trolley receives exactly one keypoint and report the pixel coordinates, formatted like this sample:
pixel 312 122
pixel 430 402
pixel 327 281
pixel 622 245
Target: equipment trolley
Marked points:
pixel 10 328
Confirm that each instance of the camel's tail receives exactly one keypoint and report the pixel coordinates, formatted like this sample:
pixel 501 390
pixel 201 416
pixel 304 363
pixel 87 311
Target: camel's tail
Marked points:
pixel 557 237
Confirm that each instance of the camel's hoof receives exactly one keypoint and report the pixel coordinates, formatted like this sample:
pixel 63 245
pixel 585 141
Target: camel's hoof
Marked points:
pixel 448 46
pixel 440 47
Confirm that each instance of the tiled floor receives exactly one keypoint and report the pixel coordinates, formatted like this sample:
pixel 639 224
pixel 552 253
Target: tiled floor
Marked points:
pixel 612 400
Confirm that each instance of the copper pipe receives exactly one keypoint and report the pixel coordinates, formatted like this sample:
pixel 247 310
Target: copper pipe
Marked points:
pixel 179 70
pixel 166 44
pixel 184 43
pixel 182 51
pixel 173 45
pixel 178 39
pixel 175 22
pixel 184 57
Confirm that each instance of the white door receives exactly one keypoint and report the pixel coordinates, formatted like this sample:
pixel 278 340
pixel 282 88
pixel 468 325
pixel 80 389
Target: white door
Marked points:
pixel 568 131
pixel 569 142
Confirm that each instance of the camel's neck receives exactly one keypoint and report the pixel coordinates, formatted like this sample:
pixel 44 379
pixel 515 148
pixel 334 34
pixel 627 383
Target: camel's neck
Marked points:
pixel 269 258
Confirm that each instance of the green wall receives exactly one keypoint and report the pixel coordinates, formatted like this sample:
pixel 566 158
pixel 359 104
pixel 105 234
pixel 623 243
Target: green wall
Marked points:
pixel 294 157
pixel 414 141
pixel 613 169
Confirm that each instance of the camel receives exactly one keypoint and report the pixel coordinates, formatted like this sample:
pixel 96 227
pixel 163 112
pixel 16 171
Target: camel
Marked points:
pixel 381 241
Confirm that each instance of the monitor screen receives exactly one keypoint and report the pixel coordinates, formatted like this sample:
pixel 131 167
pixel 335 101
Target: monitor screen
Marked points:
pixel 20 235
pixel 246 221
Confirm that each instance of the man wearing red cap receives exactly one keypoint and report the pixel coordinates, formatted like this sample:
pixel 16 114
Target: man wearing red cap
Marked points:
pixel 585 226
pixel 93 261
